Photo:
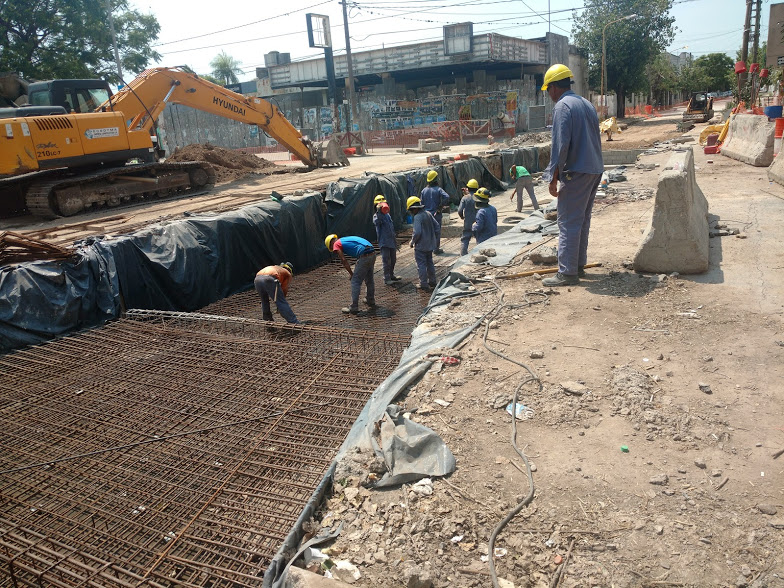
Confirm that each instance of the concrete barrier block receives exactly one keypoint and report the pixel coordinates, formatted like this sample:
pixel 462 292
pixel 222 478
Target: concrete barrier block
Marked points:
pixel 676 239
pixel 776 170
pixel 750 140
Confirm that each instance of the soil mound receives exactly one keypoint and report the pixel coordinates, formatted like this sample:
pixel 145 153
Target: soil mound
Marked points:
pixel 229 165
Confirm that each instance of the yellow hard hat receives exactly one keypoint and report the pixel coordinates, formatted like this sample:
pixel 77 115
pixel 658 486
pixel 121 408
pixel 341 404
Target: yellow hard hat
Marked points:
pixel 379 199
pixel 432 175
pixel 287 266
pixel 328 241
pixel 556 73
pixel 482 193
pixel 472 183
pixel 413 201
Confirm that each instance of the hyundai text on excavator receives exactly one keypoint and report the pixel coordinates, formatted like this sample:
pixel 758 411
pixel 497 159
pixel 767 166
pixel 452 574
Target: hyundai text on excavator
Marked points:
pixel 58 162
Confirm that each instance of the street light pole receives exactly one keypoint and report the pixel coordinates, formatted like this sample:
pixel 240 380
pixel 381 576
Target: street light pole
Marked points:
pixel 603 98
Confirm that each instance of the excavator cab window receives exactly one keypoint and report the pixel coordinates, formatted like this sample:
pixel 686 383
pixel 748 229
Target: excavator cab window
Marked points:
pixel 89 99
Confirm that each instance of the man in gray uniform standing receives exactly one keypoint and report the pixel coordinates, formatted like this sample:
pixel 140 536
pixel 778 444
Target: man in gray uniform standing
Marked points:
pixel 575 162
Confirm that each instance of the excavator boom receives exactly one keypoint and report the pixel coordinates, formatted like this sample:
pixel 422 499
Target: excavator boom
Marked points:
pixel 144 99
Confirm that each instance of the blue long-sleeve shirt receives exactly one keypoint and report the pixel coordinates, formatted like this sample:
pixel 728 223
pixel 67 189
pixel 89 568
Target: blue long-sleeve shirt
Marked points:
pixel 467 211
pixel 385 230
pixel 434 198
pixel 486 224
pixel 424 231
pixel 577 145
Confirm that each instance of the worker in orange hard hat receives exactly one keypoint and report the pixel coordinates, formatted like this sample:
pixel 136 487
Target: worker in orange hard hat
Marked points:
pixel 574 172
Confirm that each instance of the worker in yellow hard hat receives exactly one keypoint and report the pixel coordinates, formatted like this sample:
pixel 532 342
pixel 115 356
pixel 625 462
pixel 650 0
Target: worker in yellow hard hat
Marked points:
pixel 273 282
pixel 362 250
pixel 466 210
pixel 385 233
pixel 435 200
pixel 574 172
pixel 423 240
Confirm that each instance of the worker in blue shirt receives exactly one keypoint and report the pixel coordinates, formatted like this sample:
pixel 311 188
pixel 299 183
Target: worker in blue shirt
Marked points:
pixel 575 162
pixel 363 251
pixel 486 224
pixel 385 232
pixel 435 199
pixel 467 211
pixel 423 240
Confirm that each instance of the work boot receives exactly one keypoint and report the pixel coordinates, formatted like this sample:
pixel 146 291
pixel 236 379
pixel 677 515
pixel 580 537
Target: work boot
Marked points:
pixel 349 310
pixel 580 271
pixel 389 282
pixel 422 288
pixel 560 279
pixel 396 279
pixel 432 285
pixel 369 302
pixel 266 317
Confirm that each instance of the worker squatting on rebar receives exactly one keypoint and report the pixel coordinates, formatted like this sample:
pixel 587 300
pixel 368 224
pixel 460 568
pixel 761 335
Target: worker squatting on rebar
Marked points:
pixel 435 200
pixel 385 231
pixel 423 240
pixel 467 211
pixel 273 282
pixel 363 251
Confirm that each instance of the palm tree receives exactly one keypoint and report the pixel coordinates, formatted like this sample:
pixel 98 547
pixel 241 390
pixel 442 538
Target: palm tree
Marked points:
pixel 225 68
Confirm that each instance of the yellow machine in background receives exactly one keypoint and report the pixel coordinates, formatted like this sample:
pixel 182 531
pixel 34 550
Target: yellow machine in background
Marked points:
pixel 59 163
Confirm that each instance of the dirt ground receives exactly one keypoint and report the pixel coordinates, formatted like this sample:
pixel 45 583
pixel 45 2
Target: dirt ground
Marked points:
pixel 656 470
pixel 229 165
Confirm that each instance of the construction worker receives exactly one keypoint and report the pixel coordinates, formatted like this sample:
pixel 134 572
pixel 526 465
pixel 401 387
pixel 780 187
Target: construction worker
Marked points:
pixel 385 231
pixel 575 162
pixel 423 240
pixel 524 182
pixel 435 199
pixel 467 211
pixel 273 282
pixel 363 251
pixel 486 223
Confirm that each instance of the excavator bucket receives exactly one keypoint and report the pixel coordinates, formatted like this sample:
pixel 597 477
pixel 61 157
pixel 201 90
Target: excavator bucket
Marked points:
pixel 328 153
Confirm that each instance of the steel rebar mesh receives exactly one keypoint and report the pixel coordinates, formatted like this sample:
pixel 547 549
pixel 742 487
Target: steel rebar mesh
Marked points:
pixel 148 504
pixel 317 295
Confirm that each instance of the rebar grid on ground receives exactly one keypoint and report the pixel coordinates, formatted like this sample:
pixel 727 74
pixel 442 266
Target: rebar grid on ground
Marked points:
pixel 121 495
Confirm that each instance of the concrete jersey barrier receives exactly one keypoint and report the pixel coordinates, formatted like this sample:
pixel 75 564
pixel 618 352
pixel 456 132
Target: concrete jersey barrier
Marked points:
pixel 677 238
pixel 776 170
pixel 750 140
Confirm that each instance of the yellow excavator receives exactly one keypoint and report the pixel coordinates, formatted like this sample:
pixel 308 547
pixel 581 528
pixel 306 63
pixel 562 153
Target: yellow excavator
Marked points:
pixel 59 162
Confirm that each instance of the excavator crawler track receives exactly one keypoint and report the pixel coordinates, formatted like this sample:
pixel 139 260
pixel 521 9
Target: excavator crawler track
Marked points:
pixel 69 195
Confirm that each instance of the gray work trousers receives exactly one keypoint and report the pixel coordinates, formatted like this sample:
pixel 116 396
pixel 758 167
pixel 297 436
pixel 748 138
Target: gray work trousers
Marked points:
pixel 425 268
pixel 388 261
pixel 269 287
pixel 575 203
pixel 363 272
pixel 525 183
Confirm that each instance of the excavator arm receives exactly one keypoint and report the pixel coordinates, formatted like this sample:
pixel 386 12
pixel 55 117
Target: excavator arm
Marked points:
pixel 144 99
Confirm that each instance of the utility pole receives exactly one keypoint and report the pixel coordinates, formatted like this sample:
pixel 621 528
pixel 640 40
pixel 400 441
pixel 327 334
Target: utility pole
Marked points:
pixel 350 78
pixel 114 40
pixel 744 52
pixel 757 22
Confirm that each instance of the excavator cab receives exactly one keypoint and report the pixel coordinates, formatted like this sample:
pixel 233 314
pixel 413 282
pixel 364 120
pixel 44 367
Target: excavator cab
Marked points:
pixel 73 95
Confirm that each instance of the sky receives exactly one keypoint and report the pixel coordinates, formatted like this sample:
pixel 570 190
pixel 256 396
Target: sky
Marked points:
pixel 193 32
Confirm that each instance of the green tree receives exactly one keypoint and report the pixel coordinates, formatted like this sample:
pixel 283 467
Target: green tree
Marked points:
pixel 71 38
pixel 715 70
pixel 631 44
pixel 225 68
pixel 662 78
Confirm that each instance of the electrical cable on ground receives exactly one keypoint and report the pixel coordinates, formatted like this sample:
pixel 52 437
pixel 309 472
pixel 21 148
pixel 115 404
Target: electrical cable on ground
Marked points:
pixel 525 380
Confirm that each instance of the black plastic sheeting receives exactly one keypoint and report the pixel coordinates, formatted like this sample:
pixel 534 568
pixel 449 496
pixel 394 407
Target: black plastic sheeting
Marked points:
pixel 45 299
pixel 182 266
